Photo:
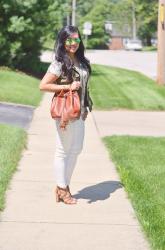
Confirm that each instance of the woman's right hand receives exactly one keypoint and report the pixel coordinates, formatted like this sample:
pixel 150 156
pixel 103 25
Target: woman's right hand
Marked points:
pixel 75 85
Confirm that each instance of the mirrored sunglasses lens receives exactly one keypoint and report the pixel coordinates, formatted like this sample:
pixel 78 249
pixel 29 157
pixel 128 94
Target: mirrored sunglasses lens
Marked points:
pixel 77 40
pixel 67 42
pixel 72 41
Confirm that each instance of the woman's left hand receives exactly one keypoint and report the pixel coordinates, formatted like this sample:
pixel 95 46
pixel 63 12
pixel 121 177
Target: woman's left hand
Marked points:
pixel 84 115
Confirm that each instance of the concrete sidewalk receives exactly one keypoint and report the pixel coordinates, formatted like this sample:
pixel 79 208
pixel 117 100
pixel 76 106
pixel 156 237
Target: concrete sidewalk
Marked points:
pixel 141 123
pixel 103 219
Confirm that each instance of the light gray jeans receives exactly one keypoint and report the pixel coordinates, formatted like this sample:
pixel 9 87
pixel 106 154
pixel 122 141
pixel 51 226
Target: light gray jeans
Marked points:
pixel 69 144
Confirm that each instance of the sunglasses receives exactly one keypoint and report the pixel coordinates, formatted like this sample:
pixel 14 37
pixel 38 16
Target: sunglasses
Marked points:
pixel 70 41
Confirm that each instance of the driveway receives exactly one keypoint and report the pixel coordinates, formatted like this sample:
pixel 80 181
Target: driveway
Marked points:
pixel 16 114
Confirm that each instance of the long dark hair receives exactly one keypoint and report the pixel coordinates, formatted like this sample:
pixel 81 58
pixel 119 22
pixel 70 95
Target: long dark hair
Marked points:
pixel 61 54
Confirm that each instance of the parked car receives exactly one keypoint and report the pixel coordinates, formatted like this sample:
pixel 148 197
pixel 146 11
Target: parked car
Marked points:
pixel 133 45
pixel 154 42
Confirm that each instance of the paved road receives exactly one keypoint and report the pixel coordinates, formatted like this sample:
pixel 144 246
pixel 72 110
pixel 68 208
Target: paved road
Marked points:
pixel 144 62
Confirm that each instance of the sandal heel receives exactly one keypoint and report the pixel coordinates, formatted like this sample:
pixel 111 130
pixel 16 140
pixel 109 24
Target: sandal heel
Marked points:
pixel 57 196
pixel 64 195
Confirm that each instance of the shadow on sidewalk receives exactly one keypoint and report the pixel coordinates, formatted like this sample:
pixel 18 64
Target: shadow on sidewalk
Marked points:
pixel 100 191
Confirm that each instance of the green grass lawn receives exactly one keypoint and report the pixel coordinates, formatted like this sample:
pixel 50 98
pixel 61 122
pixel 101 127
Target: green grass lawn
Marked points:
pixel 149 48
pixel 141 164
pixel 115 88
pixel 12 142
pixel 19 88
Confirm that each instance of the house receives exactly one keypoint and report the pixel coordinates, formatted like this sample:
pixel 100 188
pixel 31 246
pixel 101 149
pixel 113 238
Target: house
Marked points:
pixel 118 37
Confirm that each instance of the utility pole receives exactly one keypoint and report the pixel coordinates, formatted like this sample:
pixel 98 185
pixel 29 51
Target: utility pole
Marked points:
pixel 68 14
pixel 161 43
pixel 68 19
pixel 133 21
pixel 73 12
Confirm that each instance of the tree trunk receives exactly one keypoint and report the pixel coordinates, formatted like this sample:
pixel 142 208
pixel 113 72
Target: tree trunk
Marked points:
pixel 148 40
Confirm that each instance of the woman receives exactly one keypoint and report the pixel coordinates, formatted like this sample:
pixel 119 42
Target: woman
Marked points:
pixel 69 69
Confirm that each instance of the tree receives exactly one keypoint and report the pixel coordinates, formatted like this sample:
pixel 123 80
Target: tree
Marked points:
pixel 147 12
pixel 101 11
pixel 98 14
pixel 121 12
pixel 23 27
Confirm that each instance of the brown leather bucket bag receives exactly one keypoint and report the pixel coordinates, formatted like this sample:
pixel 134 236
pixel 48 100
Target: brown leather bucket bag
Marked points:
pixel 65 106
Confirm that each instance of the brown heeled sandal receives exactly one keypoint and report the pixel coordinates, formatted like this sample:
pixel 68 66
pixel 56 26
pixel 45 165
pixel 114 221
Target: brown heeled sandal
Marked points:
pixel 63 194
pixel 70 193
